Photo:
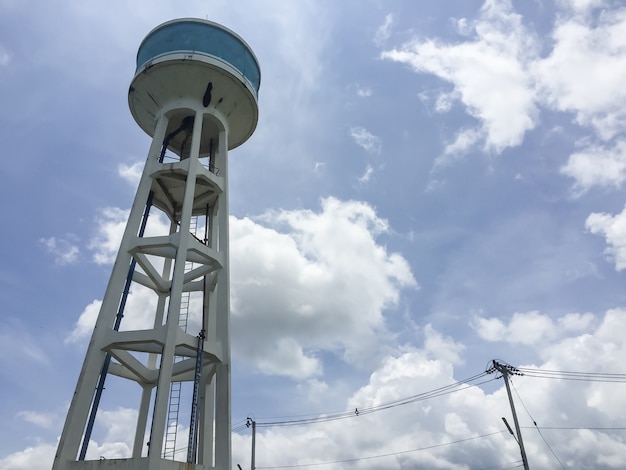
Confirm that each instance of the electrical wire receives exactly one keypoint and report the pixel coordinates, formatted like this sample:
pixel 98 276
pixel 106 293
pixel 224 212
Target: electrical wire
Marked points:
pixel 536 427
pixel 358 411
pixel 570 375
pixel 298 420
pixel 579 428
pixel 441 391
pixel 315 464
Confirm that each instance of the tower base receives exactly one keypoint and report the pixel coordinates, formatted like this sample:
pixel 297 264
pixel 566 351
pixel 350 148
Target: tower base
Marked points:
pixel 135 464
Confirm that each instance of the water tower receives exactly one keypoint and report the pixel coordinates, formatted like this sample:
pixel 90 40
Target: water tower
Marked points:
pixel 195 93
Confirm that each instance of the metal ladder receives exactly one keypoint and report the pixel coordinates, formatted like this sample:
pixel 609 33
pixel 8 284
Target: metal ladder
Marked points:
pixel 169 448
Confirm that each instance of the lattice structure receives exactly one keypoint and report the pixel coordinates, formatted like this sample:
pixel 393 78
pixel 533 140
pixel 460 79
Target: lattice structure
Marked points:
pixel 195 93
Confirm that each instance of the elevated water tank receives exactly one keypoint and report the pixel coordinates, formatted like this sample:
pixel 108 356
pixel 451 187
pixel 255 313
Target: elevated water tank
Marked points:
pixel 190 58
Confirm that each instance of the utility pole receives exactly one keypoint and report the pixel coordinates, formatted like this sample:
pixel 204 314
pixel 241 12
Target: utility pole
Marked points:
pixel 252 423
pixel 505 370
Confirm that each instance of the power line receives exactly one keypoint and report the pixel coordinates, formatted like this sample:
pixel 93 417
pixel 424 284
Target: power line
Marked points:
pixel 315 464
pixel 579 428
pixel 358 411
pixel 298 420
pixel 572 375
pixel 537 428
pixel 473 381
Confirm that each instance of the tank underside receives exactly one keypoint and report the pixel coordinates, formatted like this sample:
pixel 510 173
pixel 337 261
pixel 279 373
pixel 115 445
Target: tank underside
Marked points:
pixel 171 80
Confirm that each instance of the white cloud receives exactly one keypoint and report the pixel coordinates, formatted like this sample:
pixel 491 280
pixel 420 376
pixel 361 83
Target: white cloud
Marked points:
pixel 465 140
pixel 573 322
pixel 583 74
pixel 442 347
pixel 366 176
pixel 400 376
pixel 473 412
pixel 44 420
pixel 119 426
pixel 384 31
pixel 613 228
pixel 65 250
pixel 488 74
pixel 110 224
pixel 316 281
pixel 447 430
pixel 39 457
pixel 366 139
pixel 581 6
pixel 277 278
pixel 444 102
pixel 597 166
pixel 85 323
pixel 286 357
pixel 530 328
pixel 131 173
pixel 319 167
pixel 364 92
pixel 463 27
pixel 138 314
pixel 502 80
pixel 315 391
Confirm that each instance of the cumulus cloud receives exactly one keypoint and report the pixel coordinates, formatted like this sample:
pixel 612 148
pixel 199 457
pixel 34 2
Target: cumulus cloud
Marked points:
pixel 451 430
pixel 38 457
pixel 287 357
pixel 85 323
pixel 446 430
pixel 310 281
pixel 138 314
pixel 580 6
pixel 118 428
pixel 530 328
pixel 301 281
pixel 613 228
pixel 583 74
pixel 131 173
pixel 110 222
pixel 442 347
pixel 597 165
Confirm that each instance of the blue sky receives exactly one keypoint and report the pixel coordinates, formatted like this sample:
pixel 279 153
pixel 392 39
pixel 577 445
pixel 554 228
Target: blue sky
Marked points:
pixel 431 185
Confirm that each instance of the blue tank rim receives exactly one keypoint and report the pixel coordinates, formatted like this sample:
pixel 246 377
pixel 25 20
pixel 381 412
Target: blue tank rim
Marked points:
pixel 199 21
